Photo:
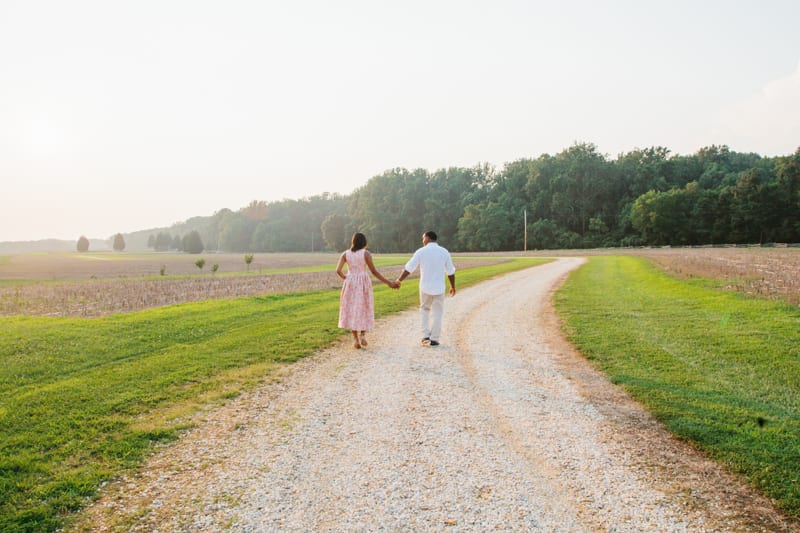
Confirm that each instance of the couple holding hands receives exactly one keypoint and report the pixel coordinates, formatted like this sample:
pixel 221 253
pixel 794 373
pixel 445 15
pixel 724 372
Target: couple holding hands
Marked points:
pixel 356 305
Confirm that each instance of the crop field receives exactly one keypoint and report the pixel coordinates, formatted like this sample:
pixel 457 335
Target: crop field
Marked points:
pixel 98 284
pixel 772 273
pixel 765 272
pixel 91 265
pixel 91 285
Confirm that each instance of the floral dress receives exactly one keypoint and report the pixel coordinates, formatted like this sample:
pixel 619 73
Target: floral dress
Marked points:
pixel 356 305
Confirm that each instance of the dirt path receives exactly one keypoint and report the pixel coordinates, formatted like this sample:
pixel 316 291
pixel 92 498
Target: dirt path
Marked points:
pixel 502 427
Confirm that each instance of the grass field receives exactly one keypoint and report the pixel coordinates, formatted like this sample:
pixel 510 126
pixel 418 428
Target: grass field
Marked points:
pixel 84 399
pixel 720 369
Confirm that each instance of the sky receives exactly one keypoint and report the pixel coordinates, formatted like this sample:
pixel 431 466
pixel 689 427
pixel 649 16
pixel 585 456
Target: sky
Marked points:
pixel 118 116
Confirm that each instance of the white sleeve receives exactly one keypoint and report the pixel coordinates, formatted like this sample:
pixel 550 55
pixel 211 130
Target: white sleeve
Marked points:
pixel 413 263
pixel 449 267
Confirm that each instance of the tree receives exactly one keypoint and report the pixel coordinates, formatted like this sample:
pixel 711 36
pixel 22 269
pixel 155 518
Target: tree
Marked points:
pixel 192 243
pixel 200 263
pixel 336 231
pixel 390 209
pixel 581 189
pixel 235 231
pixel 163 241
pixel 490 227
pixel 248 258
pixel 449 192
pixel 543 234
pixel 83 244
pixel 119 242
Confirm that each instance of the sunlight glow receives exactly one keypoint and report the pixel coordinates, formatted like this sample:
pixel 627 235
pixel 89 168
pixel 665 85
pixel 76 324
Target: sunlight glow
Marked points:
pixel 43 138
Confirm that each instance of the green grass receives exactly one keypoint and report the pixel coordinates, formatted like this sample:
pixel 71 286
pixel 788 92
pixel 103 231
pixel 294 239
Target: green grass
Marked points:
pixel 720 370
pixel 81 400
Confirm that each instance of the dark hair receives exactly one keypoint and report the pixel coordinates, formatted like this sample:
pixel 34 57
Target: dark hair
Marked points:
pixel 431 235
pixel 359 241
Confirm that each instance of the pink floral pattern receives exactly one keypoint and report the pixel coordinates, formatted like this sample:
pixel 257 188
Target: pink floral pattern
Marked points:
pixel 356 304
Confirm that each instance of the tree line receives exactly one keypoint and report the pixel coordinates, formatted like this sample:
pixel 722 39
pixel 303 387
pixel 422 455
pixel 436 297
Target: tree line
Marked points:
pixel 164 241
pixel 578 198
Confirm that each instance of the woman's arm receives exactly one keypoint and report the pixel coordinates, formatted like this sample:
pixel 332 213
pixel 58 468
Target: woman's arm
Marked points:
pixel 340 266
pixel 371 265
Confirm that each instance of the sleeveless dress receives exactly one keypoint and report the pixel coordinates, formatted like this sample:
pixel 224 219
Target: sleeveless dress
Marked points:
pixel 356 305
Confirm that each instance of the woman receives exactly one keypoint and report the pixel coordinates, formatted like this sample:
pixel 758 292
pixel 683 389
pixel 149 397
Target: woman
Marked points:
pixel 356 305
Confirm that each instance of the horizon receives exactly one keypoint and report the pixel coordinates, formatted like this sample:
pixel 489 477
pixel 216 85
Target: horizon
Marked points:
pixel 118 118
pixel 184 221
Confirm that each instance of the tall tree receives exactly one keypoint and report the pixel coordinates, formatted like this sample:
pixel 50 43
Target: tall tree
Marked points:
pixel 336 231
pixel 448 193
pixel 163 241
pixel 390 209
pixel 83 244
pixel 119 243
pixel 192 243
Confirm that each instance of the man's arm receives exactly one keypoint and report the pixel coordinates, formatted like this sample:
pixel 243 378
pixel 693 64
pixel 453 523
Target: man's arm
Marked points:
pixel 403 276
pixel 410 267
pixel 452 278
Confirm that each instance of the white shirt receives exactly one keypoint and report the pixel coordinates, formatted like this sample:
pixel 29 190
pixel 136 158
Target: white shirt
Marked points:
pixel 433 262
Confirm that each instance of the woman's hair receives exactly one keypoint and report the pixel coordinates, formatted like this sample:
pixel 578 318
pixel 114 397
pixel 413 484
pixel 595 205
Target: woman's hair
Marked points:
pixel 359 241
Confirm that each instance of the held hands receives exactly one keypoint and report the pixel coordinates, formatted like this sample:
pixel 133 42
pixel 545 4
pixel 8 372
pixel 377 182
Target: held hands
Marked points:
pixel 394 284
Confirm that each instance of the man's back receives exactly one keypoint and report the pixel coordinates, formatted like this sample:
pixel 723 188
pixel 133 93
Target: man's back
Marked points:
pixel 434 263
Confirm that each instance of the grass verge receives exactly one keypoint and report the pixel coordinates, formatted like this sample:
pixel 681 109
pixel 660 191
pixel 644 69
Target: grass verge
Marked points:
pixel 81 400
pixel 718 369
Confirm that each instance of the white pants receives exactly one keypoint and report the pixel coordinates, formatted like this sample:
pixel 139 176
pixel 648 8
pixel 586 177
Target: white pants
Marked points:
pixel 431 310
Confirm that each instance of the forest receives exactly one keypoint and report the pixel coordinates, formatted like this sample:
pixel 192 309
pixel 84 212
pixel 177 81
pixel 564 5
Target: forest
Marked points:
pixel 578 198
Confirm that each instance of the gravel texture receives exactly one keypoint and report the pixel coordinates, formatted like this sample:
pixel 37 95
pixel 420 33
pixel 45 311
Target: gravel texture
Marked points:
pixel 501 428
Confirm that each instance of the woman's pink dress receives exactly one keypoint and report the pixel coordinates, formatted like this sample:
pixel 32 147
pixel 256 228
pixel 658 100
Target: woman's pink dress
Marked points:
pixel 356 305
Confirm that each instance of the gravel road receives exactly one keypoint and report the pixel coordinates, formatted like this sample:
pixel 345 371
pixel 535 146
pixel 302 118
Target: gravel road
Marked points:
pixel 501 428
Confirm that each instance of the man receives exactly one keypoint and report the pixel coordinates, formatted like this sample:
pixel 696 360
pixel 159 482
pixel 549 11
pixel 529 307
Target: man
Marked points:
pixel 434 263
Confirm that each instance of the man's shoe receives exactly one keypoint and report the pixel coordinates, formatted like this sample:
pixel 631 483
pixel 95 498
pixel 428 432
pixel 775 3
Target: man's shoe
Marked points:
pixel 433 343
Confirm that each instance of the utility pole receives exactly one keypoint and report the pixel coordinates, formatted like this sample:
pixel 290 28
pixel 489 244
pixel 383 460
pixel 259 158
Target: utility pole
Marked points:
pixel 525 219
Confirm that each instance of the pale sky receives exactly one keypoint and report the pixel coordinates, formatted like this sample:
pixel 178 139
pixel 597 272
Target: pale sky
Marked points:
pixel 117 116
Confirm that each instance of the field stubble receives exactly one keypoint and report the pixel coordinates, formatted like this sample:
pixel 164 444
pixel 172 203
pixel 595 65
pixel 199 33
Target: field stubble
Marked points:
pixel 103 294
pixel 772 273
pixel 765 272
